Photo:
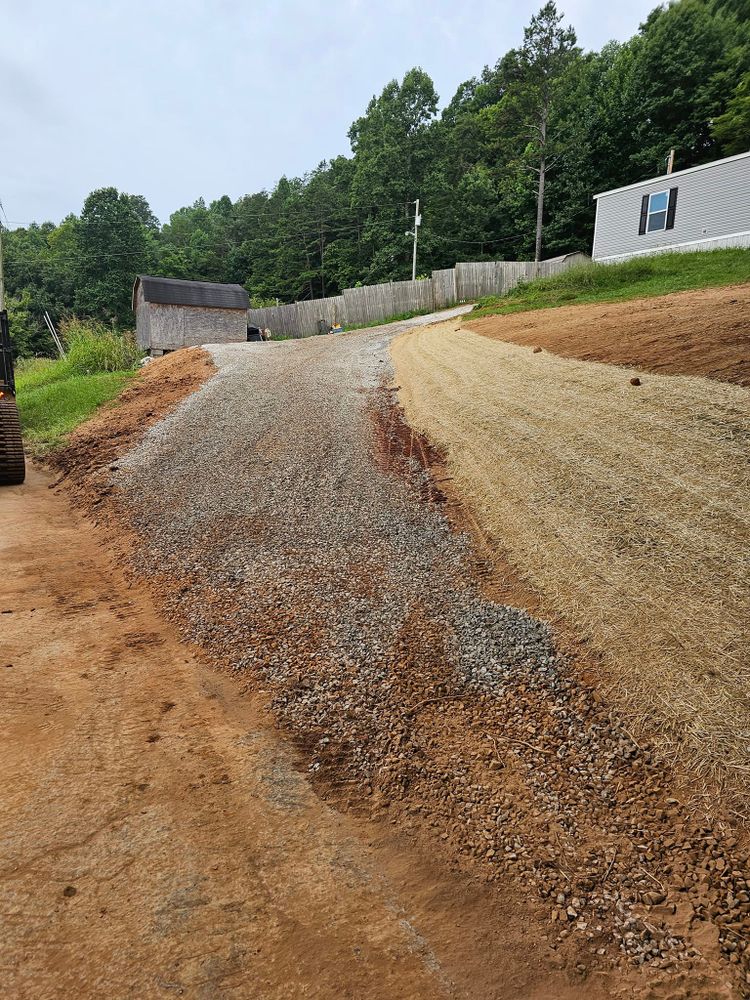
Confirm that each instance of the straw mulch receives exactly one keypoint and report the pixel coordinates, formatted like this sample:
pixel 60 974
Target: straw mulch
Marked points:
pixel 626 507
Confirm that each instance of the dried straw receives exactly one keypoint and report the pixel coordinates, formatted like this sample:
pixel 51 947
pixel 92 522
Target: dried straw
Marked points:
pixel 627 509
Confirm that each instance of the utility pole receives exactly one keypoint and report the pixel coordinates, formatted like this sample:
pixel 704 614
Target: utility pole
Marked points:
pixel 417 224
pixel 670 161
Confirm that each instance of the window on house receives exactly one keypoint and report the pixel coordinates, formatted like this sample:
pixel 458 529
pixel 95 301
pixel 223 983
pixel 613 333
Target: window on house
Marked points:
pixel 658 211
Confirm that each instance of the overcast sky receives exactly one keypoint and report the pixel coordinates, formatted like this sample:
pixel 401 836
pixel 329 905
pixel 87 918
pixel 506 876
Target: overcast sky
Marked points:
pixel 177 100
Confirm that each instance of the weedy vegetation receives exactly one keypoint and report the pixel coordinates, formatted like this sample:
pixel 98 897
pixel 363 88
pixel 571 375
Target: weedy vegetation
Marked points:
pixel 55 396
pixel 632 279
pixel 397 318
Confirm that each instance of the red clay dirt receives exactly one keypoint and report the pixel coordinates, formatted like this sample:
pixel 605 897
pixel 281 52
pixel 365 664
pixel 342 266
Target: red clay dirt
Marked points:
pixel 160 839
pixel 160 836
pixel 202 841
pixel 690 333
pixel 155 391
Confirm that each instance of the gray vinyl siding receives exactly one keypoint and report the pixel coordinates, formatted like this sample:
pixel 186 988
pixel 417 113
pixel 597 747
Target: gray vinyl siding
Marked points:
pixel 713 209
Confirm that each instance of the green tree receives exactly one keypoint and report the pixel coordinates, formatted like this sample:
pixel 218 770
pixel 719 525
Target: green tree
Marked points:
pixel 732 129
pixel 143 210
pixel 112 249
pixel 25 336
pixel 685 68
pixel 548 51
pixel 392 154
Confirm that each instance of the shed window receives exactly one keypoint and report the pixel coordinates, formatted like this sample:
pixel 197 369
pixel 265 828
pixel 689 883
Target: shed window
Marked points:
pixel 657 211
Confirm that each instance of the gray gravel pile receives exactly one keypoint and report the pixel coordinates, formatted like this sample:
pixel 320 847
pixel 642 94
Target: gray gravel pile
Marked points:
pixel 294 540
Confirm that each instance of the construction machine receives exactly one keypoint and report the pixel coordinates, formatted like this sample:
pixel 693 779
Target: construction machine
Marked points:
pixel 12 464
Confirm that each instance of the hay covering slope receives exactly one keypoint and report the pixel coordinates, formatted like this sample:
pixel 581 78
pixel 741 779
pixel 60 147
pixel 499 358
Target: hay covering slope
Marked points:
pixel 627 508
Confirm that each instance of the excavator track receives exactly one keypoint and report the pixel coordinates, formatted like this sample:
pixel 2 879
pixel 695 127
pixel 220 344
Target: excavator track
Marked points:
pixel 12 464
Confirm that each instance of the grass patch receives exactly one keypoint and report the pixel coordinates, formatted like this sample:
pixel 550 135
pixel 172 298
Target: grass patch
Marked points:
pixel 49 412
pixel 55 396
pixel 640 277
pixel 33 372
pixel 398 318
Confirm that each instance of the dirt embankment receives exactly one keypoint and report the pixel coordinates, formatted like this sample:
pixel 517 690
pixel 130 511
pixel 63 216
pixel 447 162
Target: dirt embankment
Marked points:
pixel 625 507
pixel 691 333
pixel 155 392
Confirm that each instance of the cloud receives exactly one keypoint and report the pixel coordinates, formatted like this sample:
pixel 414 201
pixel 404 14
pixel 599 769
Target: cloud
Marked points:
pixel 182 98
pixel 26 97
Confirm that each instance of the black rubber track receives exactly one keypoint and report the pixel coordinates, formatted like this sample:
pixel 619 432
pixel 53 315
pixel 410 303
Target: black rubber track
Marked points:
pixel 12 464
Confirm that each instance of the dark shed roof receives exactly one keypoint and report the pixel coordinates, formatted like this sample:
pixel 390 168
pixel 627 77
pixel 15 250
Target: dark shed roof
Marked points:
pixel 176 292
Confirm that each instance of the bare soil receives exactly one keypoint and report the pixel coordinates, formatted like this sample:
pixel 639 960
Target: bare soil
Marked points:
pixel 159 838
pixel 538 791
pixel 690 333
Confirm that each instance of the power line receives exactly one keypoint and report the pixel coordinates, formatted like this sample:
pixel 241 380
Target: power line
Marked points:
pixel 312 237
pixel 350 212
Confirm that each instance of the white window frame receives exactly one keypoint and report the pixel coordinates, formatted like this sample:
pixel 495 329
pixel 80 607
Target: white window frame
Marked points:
pixel 649 213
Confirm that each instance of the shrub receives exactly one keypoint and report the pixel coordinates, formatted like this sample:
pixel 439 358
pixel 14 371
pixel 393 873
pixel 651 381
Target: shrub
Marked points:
pixel 92 347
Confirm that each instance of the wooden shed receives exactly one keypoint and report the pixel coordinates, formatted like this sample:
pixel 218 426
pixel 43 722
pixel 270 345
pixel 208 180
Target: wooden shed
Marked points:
pixel 171 313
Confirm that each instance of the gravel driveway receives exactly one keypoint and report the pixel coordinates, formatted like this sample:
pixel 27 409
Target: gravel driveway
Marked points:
pixel 266 497
pixel 298 545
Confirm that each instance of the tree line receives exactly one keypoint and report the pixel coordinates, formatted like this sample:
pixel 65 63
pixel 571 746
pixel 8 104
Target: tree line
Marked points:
pixel 505 171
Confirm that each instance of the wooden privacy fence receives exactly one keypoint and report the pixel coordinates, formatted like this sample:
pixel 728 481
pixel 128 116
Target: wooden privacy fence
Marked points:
pixel 377 303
